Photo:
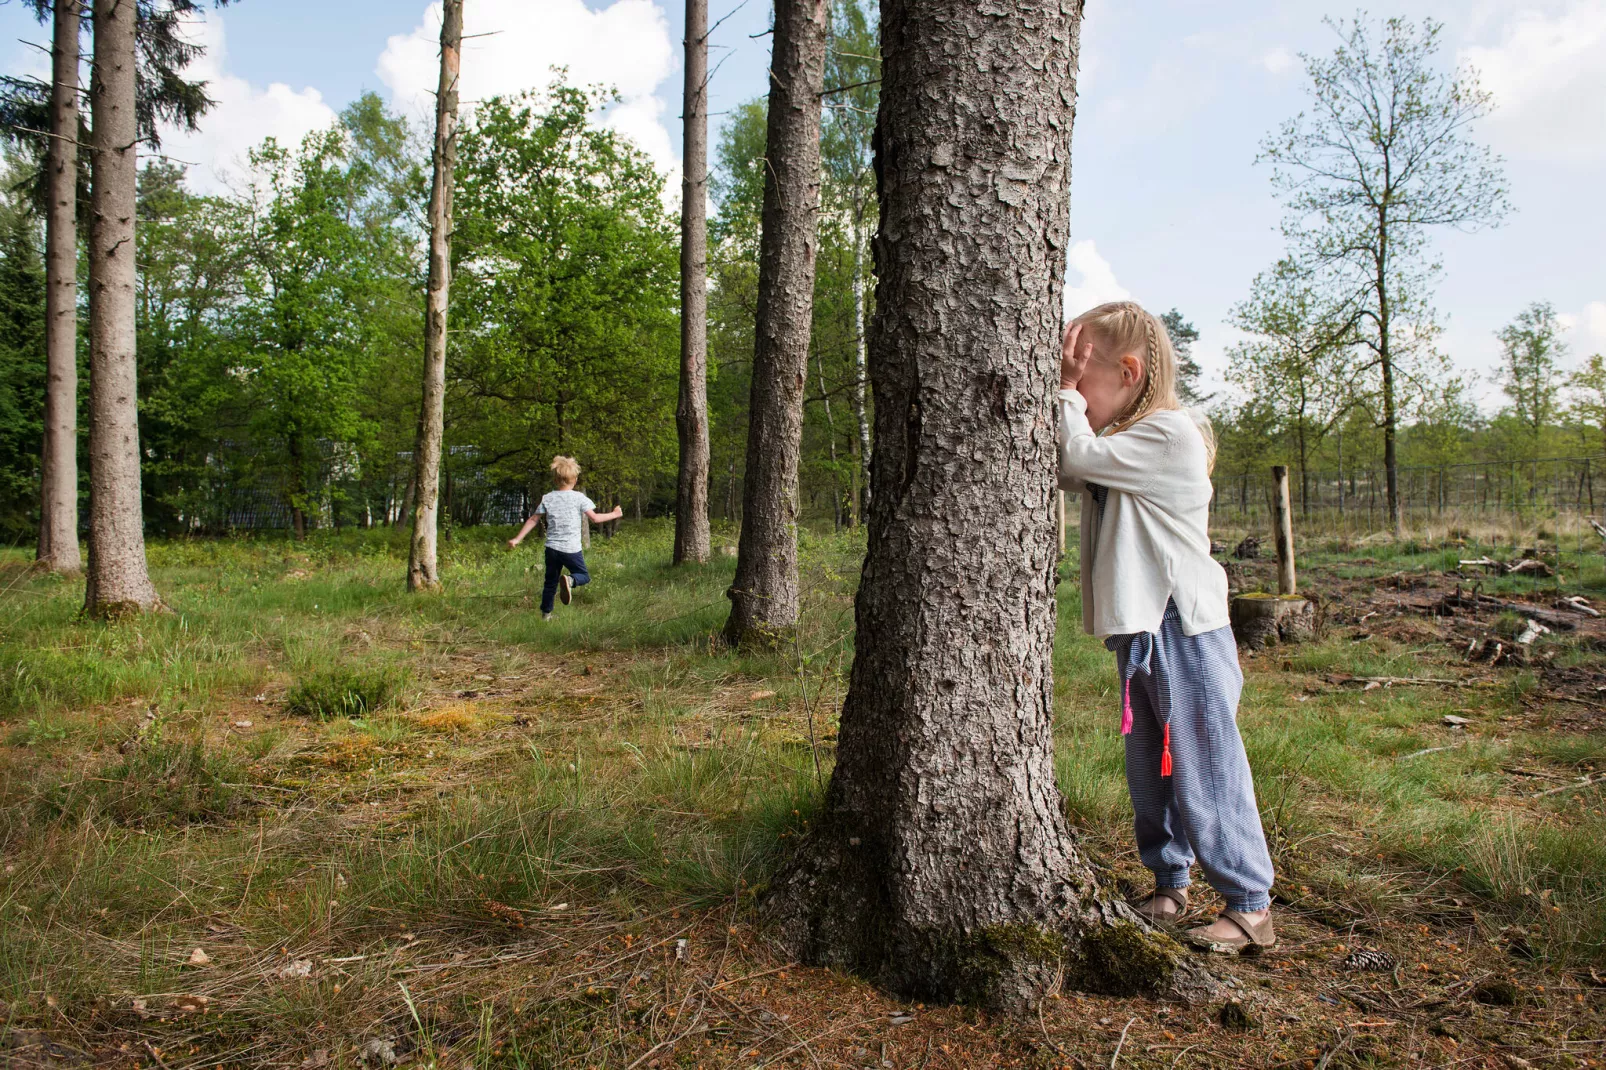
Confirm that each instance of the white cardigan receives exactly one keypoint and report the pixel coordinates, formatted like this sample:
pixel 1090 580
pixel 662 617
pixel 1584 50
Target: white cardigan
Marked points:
pixel 1153 543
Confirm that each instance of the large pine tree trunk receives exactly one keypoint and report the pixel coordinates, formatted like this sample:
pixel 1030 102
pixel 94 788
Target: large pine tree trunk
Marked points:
pixel 764 596
pixel 58 491
pixel 942 864
pixel 691 415
pixel 118 582
pixel 423 570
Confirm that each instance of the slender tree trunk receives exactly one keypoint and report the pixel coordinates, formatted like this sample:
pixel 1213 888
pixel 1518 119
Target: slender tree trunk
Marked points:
pixel 423 568
pixel 58 491
pixel 691 414
pixel 860 327
pixel 764 595
pixel 1391 468
pixel 942 864
pixel 118 582
pixel 830 438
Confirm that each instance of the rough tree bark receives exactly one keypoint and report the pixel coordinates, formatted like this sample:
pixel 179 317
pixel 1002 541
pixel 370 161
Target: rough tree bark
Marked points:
pixel 58 490
pixel 691 414
pixel 423 569
pixel 118 582
pixel 764 594
pixel 942 864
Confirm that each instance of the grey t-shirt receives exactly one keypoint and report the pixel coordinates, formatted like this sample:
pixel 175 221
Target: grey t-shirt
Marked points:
pixel 563 510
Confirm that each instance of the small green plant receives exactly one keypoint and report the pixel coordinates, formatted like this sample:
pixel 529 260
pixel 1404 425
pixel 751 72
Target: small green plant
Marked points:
pixel 345 691
pixel 157 783
pixel 38 730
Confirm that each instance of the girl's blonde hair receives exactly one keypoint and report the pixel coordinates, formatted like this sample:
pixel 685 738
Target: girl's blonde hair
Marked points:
pixel 567 469
pixel 1121 327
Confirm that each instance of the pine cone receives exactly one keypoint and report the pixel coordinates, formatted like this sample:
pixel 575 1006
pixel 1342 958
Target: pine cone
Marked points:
pixel 1370 959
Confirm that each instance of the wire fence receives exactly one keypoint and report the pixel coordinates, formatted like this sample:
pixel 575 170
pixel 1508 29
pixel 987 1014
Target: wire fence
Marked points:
pixel 1508 494
pixel 1539 507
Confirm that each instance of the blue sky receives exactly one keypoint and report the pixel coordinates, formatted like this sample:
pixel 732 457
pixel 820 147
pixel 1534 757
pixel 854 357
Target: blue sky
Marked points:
pixel 1168 205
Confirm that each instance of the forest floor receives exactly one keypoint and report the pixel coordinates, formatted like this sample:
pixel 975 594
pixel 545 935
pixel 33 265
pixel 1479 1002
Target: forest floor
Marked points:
pixel 307 820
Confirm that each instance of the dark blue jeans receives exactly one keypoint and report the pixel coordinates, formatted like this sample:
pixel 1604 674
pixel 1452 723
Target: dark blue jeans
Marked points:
pixel 556 562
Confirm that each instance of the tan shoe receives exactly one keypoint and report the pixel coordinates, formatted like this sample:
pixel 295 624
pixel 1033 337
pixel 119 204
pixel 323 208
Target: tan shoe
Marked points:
pixel 1261 934
pixel 1179 896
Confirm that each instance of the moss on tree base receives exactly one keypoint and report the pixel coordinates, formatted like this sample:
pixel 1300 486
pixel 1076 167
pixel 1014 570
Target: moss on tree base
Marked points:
pixel 1124 958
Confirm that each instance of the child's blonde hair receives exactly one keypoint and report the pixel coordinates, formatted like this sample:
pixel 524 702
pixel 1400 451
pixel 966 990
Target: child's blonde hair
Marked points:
pixel 567 469
pixel 1117 328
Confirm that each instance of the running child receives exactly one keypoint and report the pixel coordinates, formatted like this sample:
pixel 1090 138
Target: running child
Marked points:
pixel 1152 592
pixel 563 509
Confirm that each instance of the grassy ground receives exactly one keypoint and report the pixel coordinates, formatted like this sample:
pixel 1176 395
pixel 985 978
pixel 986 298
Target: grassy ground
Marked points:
pixel 305 814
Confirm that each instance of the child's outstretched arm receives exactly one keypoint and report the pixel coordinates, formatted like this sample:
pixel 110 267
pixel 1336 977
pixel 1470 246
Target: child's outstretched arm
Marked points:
pixel 529 525
pixel 602 518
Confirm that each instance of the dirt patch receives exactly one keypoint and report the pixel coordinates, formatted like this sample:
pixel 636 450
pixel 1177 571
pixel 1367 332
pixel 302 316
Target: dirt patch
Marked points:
pixel 1473 633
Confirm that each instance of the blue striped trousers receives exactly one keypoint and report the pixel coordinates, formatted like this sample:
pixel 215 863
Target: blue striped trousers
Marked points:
pixel 1184 703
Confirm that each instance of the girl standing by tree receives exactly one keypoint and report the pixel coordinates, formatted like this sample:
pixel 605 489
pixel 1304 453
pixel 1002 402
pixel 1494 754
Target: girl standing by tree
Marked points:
pixel 1151 590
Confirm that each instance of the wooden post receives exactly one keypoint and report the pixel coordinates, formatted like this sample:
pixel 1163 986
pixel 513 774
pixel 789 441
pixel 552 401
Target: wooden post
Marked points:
pixel 1285 530
pixel 1062 522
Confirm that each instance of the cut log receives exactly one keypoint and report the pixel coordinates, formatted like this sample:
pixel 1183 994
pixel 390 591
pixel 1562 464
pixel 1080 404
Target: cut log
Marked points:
pixel 1562 622
pixel 1578 605
pixel 1261 620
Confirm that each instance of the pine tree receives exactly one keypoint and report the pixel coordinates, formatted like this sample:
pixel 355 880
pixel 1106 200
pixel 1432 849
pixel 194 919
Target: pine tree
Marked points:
pixel 764 597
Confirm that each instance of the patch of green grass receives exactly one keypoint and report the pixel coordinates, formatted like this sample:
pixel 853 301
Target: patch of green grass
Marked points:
pixel 614 760
pixel 346 691
pixel 159 782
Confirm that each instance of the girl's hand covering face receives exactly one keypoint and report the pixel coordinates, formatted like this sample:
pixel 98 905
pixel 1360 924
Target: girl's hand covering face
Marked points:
pixel 1075 355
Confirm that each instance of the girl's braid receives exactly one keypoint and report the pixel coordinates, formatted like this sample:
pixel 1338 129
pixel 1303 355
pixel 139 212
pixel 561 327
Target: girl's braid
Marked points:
pixel 1150 362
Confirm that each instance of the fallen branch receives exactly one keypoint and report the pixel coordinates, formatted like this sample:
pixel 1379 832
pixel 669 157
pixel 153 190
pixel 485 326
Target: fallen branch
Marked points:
pixel 1390 681
pixel 1552 696
pixel 1339 1045
pixel 1587 782
pixel 1577 605
pixel 1430 750
pixel 1476 600
pixel 1120 1042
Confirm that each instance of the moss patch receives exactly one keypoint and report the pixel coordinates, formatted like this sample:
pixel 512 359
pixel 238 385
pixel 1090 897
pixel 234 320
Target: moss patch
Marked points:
pixel 995 962
pixel 1123 959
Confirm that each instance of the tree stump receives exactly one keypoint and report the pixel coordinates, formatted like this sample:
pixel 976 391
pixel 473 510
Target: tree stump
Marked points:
pixel 1261 620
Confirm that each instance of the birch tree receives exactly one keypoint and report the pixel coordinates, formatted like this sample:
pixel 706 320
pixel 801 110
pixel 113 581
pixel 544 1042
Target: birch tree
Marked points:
pixel 1384 156
pixel 1530 347
pixel 853 77
pixel 423 567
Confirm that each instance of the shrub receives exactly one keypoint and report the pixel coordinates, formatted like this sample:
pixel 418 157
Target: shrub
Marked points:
pixel 345 691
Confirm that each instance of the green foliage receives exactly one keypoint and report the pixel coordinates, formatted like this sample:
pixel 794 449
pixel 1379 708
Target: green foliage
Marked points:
pixel 346 691
pixel 1530 347
pixel 22 367
pixel 565 297
pixel 158 782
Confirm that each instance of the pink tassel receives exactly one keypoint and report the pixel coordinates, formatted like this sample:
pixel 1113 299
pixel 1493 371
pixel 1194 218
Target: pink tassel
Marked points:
pixel 1126 708
pixel 1165 753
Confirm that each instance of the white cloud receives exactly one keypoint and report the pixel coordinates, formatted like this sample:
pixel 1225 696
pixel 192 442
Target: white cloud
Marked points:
pixel 625 45
pixel 242 117
pixel 1586 330
pixel 1278 60
pixel 1089 280
pixel 1547 77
